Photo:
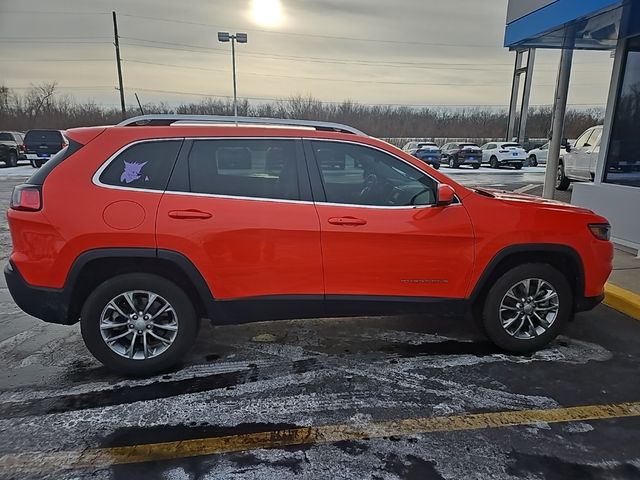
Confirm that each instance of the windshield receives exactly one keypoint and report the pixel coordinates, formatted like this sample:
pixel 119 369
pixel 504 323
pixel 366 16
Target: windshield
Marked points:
pixel 507 145
pixel 422 145
pixel 462 145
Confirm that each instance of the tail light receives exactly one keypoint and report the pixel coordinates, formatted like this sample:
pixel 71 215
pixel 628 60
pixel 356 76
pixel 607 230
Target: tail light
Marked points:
pixel 27 198
pixel 23 147
pixel 602 231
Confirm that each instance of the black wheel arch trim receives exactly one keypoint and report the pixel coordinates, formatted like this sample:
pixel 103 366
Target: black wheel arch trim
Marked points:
pixel 531 248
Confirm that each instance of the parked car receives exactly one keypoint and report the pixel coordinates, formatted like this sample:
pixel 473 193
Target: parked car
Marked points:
pixel 41 145
pixel 457 154
pixel 538 156
pixel 428 152
pixel 11 148
pixel 578 162
pixel 140 234
pixel 498 154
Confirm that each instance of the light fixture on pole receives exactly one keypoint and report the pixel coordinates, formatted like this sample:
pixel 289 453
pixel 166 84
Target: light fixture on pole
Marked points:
pixel 240 38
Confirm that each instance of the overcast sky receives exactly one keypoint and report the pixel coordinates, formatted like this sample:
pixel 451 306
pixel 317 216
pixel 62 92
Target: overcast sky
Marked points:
pixel 414 52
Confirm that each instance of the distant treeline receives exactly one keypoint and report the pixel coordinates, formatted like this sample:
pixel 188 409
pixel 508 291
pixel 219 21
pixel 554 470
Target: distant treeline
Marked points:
pixel 42 106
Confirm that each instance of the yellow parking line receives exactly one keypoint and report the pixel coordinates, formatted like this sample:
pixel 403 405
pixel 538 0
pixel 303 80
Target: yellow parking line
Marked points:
pixel 622 300
pixel 105 457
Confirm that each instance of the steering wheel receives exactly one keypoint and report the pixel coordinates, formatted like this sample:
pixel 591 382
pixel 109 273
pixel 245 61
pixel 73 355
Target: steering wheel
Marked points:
pixel 370 181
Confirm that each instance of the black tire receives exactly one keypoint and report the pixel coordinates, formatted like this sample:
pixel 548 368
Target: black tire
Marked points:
pixel 188 323
pixel 533 161
pixel 436 166
pixel 37 163
pixel 562 182
pixel 476 166
pixel 518 166
pixel 453 162
pixel 493 162
pixel 491 310
pixel 12 161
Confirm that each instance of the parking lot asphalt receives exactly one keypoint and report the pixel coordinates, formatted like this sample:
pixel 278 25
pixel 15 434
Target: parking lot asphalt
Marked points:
pixel 364 398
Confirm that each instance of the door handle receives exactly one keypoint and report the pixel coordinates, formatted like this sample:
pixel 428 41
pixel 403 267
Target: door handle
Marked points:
pixel 347 221
pixel 189 214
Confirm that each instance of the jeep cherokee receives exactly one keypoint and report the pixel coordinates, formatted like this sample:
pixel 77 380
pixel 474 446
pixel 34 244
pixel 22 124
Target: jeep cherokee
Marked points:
pixel 139 230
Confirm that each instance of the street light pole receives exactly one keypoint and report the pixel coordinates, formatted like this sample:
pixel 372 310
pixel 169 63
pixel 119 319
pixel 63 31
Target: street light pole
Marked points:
pixel 235 88
pixel 241 38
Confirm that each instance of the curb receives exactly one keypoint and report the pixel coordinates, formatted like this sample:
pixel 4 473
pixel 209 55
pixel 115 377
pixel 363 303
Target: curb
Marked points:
pixel 622 300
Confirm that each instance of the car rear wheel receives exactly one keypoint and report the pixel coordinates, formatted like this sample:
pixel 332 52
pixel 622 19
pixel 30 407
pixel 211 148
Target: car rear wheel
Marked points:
pixel 562 182
pixel 518 166
pixel 37 163
pixel 476 166
pixel 138 324
pixel 527 307
pixel 493 162
pixel 12 161
pixel 436 165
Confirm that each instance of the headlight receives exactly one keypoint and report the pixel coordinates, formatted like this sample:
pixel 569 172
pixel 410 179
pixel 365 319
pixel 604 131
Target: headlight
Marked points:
pixel 602 231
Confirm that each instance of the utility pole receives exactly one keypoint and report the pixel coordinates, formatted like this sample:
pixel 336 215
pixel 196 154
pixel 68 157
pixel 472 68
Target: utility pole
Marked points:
pixel 119 63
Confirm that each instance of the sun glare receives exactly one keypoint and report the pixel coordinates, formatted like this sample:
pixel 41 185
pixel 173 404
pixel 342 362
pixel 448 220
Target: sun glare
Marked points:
pixel 267 13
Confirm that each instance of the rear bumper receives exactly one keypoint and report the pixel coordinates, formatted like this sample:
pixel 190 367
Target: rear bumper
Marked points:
pixel 48 304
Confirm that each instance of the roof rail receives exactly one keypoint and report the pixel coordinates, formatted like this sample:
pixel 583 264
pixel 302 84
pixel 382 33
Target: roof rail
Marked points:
pixel 169 119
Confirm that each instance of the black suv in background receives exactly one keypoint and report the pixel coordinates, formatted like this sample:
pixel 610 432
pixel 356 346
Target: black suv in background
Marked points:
pixel 41 145
pixel 456 154
pixel 11 148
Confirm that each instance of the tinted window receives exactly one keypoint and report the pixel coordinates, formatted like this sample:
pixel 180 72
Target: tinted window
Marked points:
pixel 507 145
pixel 245 168
pixel 5 137
pixel 47 136
pixel 582 140
pixel 623 162
pixel 468 145
pixel 143 165
pixel 358 175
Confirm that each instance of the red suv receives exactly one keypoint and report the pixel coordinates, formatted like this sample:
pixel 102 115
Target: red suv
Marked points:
pixel 141 229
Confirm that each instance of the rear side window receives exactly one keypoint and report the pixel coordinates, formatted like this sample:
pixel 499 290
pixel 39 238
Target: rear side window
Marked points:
pixel 145 165
pixel 5 137
pixel 46 136
pixel 245 168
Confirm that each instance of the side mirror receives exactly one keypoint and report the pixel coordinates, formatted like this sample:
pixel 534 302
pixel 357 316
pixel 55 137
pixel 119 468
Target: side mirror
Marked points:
pixel 446 194
pixel 567 147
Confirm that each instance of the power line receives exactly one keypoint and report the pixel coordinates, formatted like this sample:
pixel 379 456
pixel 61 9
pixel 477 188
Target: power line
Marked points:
pixel 313 35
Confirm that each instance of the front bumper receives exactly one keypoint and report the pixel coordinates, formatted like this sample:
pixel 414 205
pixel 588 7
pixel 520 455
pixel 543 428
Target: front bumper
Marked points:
pixel 48 304
pixel 584 304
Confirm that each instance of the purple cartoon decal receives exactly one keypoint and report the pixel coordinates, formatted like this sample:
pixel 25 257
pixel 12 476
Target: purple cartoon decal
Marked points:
pixel 131 172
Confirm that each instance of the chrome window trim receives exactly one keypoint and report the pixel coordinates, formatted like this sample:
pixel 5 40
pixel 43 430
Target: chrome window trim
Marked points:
pixel 96 176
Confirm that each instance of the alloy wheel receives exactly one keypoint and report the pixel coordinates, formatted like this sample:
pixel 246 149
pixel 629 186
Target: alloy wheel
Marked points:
pixel 138 324
pixel 529 308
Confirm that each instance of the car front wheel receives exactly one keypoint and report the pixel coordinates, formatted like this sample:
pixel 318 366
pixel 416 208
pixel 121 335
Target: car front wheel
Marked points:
pixel 138 324
pixel 562 182
pixel 493 162
pixel 453 163
pixel 533 161
pixel 527 307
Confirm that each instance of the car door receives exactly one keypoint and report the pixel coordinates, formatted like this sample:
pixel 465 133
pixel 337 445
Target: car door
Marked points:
pixel 576 161
pixel 241 211
pixel 382 234
pixel 594 152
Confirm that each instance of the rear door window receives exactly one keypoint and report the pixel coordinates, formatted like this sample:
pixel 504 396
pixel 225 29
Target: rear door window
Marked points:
pixel 256 168
pixel 145 165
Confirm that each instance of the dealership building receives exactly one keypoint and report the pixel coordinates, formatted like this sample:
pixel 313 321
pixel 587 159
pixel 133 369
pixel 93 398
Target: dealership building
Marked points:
pixel 591 25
